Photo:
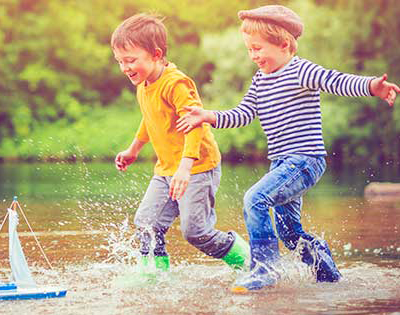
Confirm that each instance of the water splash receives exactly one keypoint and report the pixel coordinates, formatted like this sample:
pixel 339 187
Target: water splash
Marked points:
pixel 122 246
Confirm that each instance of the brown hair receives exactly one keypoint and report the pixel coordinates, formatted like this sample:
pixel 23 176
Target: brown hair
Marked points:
pixel 143 30
pixel 271 32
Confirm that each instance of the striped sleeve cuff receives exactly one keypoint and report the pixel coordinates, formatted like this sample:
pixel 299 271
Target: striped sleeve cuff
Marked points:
pixel 218 120
pixel 366 86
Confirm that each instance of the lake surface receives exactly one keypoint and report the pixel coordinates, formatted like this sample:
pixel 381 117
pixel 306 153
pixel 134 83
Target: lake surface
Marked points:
pixel 79 213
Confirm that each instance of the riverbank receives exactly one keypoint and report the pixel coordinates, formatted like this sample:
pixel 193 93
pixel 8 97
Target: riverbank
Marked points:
pixel 102 132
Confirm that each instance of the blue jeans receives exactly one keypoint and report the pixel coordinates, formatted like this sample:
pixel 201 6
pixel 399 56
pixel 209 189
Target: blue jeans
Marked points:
pixel 282 189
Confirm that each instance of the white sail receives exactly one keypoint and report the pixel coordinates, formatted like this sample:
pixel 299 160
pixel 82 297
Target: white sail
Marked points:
pixel 20 272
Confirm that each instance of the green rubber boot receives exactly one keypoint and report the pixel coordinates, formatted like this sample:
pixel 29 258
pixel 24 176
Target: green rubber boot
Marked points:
pixel 146 270
pixel 144 263
pixel 162 263
pixel 238 254
pixel 149 268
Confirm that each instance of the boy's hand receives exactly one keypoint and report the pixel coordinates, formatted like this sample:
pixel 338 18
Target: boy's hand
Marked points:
pixel 124 159
pixel 385 90
pixel 194 118
pixel 181 178
pixel 179 183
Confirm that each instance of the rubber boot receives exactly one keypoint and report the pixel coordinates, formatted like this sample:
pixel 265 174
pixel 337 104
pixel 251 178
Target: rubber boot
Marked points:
pixel 147 272
pixel 238 254
pixel 317 255
pixel 326 267
pixel 162 263
pixel 264 255
pixel 145 275
pixel 144 263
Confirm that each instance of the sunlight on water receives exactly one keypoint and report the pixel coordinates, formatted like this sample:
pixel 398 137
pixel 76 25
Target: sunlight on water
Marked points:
pixel 112 286
pixel 192 288
pixel 84 212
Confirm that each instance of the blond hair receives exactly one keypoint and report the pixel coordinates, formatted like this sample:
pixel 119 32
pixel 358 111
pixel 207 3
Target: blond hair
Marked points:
pixel 143 30
pixel 271 32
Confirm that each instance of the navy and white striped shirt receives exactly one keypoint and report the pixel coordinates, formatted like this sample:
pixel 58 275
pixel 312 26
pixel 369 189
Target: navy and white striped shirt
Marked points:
pixel 287 103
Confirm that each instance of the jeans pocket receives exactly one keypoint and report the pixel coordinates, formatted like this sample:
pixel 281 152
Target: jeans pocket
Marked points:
pixel 303 176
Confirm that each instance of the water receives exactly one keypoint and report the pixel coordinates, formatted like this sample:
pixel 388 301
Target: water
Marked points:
pixel 82 216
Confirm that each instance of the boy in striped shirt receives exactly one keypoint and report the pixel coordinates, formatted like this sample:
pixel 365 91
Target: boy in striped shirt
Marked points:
pixel 285 96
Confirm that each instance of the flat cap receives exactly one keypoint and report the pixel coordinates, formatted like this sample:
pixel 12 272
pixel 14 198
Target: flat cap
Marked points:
pixel 276 14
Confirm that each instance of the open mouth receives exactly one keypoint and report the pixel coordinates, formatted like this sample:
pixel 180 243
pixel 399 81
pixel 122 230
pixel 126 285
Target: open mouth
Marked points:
pixel 132 75
pixel 261 64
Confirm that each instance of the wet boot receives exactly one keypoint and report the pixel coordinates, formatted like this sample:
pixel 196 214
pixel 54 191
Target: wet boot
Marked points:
pixel 162 263
pixel 320 258
pixel 149 266
pixel 264 255
pixel 238 254
pixel 148 271
pixel 327 270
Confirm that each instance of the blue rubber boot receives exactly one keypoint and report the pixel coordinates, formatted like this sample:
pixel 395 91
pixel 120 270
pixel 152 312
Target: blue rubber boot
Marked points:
pixel 264 255
pixel 317 255
pixel 326 270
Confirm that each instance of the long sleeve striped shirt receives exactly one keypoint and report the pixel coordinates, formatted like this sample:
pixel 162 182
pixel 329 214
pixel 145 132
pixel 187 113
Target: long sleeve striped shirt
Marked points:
pixel 287 103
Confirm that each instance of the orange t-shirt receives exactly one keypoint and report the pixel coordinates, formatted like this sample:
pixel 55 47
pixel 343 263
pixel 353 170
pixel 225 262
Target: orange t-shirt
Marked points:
pixel 161 104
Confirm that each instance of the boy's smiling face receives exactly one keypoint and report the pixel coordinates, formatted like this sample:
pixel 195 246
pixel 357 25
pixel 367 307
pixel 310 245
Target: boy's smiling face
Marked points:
pixel 268 57
pixel 138 64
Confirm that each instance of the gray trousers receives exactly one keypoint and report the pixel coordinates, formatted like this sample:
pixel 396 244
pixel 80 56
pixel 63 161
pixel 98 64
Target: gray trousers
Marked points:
pixel 158 211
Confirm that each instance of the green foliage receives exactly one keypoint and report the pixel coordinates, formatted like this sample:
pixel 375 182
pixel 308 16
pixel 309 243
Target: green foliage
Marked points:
pixel 355 37
pixel 91 137
pixel 62 94
pixel 231 68
pixel 225 88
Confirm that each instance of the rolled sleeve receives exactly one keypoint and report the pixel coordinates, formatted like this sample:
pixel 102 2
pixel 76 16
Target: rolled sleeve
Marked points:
pixel 141 133
pixel 185 94
pixel 193 139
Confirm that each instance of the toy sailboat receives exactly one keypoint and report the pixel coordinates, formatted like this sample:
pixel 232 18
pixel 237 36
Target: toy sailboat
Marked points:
pixel 22 286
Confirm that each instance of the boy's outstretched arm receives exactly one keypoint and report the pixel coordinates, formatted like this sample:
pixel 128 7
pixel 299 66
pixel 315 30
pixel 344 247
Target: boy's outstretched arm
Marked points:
pixel 194 117
pixel 385 90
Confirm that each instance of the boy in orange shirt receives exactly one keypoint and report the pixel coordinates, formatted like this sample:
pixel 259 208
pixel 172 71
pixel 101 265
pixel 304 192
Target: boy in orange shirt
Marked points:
pixel 187 172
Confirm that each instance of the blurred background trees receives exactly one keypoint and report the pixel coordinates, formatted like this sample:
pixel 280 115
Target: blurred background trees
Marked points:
pixel 62 95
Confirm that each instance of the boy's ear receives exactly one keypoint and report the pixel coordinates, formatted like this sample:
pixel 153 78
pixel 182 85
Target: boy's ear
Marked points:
pixel 285 45
pixel 158 54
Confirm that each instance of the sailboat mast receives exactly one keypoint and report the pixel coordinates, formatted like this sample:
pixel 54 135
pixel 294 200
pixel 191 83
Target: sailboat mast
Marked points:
pixel 14 203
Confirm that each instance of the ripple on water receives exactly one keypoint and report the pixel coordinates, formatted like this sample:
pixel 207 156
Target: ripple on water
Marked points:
pixel 194 288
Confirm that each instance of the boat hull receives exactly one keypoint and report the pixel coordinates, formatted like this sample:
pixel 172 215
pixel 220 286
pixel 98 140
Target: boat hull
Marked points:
pixel 7 286
pixel 32 293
